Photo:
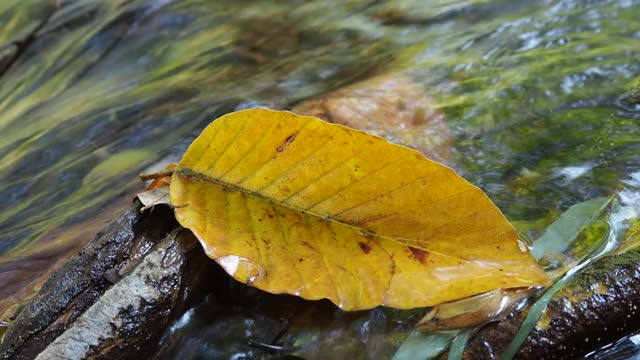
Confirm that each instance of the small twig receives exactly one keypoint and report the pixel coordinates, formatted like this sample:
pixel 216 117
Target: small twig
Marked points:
pixel 268 347
pixel 159 174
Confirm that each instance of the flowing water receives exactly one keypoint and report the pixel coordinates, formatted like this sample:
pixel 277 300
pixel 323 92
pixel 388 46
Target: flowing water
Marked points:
pixel 541 102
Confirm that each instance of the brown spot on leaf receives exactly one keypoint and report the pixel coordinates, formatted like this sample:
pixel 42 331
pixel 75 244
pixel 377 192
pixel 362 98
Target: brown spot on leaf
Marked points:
pixel 307 245
pixel 365 247
pixel 287 142
pixel 418 254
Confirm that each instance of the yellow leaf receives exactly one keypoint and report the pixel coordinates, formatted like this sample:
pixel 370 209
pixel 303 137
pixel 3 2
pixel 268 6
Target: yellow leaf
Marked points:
pixel 292 204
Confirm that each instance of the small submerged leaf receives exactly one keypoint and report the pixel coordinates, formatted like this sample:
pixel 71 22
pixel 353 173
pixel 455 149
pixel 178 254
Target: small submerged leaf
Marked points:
pixel 292 204
pixel 472 311
pixel 391 106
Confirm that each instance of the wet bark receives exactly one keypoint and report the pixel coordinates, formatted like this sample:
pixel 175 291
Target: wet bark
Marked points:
pixel 113 299
pixel 597 308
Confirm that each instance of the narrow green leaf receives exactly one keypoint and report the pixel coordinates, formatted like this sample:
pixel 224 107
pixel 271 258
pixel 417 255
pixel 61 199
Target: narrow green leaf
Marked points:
pixel 459 343
pixel 419 345
pixel 532 318
pixel 559 235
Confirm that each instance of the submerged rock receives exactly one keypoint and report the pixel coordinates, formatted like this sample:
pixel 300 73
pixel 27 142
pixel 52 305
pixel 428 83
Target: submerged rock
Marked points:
pixel 392 106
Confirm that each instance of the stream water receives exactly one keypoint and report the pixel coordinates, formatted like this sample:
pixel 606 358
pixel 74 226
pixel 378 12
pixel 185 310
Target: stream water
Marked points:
pixel 541 102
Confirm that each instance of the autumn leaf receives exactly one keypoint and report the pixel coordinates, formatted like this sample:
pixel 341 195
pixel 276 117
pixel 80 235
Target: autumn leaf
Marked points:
pixel 154 197
pixel 160 179
pixel 292 204
pixel 157 191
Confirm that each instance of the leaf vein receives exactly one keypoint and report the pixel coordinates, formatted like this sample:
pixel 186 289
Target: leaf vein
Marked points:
pixel 357 181
pixel 293 166
pixel 328 172
pixel 269 160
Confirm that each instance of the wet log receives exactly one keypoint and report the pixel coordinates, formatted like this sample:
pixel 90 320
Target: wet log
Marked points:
pixel 113 299
pixel 598 307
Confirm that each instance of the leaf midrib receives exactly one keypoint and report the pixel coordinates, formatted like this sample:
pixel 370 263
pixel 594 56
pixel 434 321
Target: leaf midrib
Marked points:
pixel 189 173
